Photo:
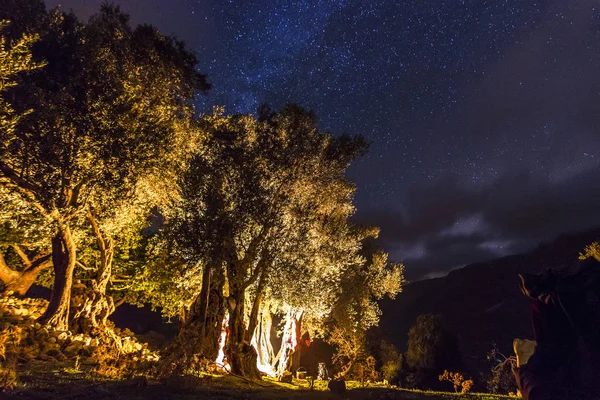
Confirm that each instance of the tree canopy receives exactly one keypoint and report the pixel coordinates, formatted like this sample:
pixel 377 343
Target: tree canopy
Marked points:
pixel 111 177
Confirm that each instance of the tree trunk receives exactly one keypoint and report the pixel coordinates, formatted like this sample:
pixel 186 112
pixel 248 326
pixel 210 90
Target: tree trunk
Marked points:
pixel 197 344
pixel 63 261
pixel 296 358
pixel 242 357
pixel 94 307
pixel 261 340
pixel 19 282
pixel 253 319
pixel 289 342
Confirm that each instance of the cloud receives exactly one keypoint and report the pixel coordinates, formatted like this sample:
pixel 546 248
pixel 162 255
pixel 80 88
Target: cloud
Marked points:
pixel 447 225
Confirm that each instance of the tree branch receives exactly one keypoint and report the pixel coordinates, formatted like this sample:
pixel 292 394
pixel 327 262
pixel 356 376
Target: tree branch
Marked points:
pixel 28 190
pixel 83 266
pixel 120 302
pixel 41 263
pixel 97 232
pixel 7 274
pixel 259 268
pixel 26 261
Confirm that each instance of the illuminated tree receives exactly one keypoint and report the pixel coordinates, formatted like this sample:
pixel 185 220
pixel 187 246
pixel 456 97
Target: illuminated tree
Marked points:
pixel 18 237
pixel 264 212
pixel 108 113
pixel 355 310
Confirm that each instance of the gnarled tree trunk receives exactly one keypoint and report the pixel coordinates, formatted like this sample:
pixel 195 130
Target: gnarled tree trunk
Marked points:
pixel 95 306
pixel 289 341
pixel 256 305
pixel 242 357
pixel 198 341
pixel 261 340
pixel 63 261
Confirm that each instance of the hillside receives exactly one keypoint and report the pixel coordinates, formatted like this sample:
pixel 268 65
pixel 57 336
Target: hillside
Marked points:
pixel 481 303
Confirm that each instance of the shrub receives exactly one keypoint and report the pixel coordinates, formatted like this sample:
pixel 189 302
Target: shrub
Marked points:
pixel 9 340
pixel 459 382
pixel 501 379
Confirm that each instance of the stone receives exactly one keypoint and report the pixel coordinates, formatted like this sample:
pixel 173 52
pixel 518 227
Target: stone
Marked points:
pixel 337 386
pixel 62 336
pixel 54 353
pixel 73 349
pixel 286 377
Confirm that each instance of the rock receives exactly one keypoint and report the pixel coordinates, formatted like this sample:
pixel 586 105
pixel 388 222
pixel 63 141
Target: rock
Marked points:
pixel 337 386
pixel 73 349
pixel 55 353
pixel 286 377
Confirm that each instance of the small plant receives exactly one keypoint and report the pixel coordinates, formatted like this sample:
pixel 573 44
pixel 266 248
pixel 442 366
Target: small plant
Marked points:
pixel 459 381
pixel 10 339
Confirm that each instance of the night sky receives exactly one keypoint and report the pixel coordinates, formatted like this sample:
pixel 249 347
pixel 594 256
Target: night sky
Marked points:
pixel 484 116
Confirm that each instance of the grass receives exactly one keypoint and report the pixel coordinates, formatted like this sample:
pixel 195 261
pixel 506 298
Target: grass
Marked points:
pixel 66 384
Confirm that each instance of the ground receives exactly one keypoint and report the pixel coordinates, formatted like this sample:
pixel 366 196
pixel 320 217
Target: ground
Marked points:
pixel 57 365
pixel 70 384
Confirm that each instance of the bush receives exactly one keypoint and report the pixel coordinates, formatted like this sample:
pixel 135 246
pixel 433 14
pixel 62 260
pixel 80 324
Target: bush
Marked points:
pixel 501 379
pixel 457 380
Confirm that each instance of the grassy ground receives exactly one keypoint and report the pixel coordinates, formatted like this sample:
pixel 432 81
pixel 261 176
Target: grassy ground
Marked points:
pixel 70 384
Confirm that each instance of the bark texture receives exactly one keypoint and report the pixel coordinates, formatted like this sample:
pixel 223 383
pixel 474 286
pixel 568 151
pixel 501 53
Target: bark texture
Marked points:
pixel 242 357
pixel 93 305
pixel 63 261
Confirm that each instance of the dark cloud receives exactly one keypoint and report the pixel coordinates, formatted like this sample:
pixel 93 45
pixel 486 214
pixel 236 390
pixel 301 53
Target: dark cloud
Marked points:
pixel 448 225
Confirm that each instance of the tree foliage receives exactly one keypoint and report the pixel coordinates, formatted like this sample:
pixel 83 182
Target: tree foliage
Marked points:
pixel 108 175
pixel 355 309
pixel 431 349
pixel 110 119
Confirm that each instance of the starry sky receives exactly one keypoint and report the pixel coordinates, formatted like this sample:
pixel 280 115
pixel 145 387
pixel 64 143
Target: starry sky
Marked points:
pixel 484 115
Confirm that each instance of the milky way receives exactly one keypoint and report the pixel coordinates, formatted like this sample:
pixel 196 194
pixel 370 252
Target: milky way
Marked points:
pixel 483 115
